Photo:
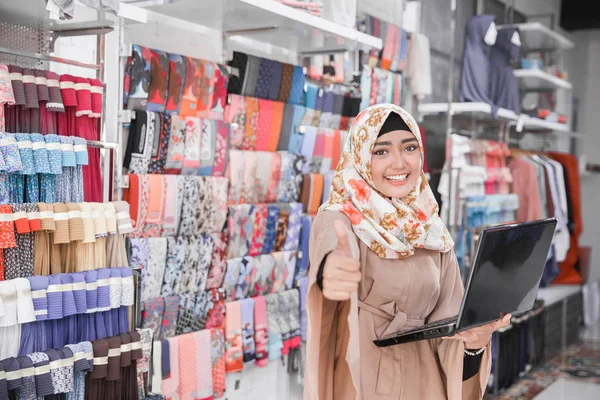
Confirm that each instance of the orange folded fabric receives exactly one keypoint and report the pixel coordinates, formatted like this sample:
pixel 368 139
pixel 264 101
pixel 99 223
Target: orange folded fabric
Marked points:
pixel 276 121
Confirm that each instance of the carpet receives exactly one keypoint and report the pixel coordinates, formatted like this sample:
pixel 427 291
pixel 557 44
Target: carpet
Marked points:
pixel 579 361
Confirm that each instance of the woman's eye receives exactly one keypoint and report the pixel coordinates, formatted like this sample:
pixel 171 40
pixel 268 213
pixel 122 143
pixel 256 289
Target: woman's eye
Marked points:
pixel 379 152
pixel 411 148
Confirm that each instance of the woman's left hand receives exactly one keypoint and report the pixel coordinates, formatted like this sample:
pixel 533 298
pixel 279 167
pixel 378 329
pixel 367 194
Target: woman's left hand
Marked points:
pixel 479 337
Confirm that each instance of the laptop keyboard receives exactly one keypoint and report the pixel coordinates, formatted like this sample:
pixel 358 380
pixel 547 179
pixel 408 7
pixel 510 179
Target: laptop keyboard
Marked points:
pixel 436 324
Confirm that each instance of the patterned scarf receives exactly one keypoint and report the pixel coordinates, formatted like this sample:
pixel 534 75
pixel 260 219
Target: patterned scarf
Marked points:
pixel 392 229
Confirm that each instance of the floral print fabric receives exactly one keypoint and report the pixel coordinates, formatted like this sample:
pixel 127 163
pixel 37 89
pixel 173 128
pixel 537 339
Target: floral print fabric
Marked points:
pixel 391 229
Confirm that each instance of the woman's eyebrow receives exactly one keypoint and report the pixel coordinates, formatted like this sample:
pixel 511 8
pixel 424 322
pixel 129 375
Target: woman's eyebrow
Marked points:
pixel 413 139
pixel 383 144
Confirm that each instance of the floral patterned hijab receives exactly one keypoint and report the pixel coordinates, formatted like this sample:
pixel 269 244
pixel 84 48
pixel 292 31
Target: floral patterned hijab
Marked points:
pixel 392 229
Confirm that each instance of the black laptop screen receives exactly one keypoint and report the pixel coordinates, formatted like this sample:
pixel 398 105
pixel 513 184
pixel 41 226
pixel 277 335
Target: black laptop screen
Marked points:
pixel 507 271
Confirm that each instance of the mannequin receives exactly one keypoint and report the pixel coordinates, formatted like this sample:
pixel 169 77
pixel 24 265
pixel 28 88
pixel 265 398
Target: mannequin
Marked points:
pixel 481 33
pixel 491 35
pixel 504 89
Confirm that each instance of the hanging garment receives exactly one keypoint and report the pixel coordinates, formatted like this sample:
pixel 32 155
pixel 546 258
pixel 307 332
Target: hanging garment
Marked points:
pixel 176 81
pixel 259 218
pixel 188 224
pixel 275 176
pixel 286 127
pixel 271 229
pixel 235 115
pixel 204 389
pixel 221 148
pixel 174 261
pixel 287 77
pixel 475 74
pixel 160 146
pixel 247 315
pixel 219 188
pixel 159 80
pixel 219 98
pixel 232 275
pixel 152 315
pixel 243 285
pixel 236 176
pixel 187 366
pixel 140 74
pixel 208 144
pixel 233 334
pixel 218 265
pixel 504 89
pixel 193 138
pixel 191 88
pixel 275 343
pixel 419 65
pixel 218 361
pixel 206 86
pixel 238 65
pixel 170 384
pixel 265 115
pixel 176 147
pixel 251 128
pixel 263 175
pixel 298 84
pixel 238 244
pixel 260 331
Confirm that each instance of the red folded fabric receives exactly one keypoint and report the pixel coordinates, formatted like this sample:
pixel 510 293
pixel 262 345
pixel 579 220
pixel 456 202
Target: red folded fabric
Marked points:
pixel 41 85
pixel 67 90
pixel 84 96
pixel 96 90
pixel 55 103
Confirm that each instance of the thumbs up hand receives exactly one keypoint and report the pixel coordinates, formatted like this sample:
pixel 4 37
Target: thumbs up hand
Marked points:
pixel 341 273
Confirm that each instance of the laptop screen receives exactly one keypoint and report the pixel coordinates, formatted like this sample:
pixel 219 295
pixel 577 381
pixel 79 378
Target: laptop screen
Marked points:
pixel 507 271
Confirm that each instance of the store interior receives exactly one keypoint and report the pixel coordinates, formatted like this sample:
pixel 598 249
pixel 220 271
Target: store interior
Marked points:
pixel 162 161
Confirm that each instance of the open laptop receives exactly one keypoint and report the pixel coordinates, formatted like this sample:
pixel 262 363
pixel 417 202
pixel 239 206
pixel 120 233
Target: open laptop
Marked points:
pixel 504 278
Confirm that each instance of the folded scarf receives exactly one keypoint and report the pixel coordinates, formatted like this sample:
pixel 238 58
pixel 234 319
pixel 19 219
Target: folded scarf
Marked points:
pixel 248 346
pixel 233 333
pixel 159 77
pixel 176 81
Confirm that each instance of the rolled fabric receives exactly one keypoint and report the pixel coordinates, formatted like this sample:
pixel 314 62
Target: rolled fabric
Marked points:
pixel 26 153
pixel 123 217
pixel 31 93
pixel 7 227
pixel 39 288
pixel 80 365
pixel 61 220
pixel 13 376
pixel 33 217
pixel 176 147
pixel 91 291
pixel 59 369
pixel 127 287
pixel 169 320
pixel 10 153
pixel 41 85
pixel 114 359
pixel 79 292
pixel 89 231
pixel 298 83
pixel 19 216
pixel 68 151
pixel 115 288
pixel 8 293
pixel 95 383
pixel 110 216
pixel 3 384
pixel 55 297
pixel 53 147
pixel 40 154
pixel 55 102
pixel 67 90
pixel 104 289
pixel 251 129
pixel 25 307
pixel 16 78
pixel 96 91
pixel 100 228
pixel 76 228
pixel 81 151
pixel 43 378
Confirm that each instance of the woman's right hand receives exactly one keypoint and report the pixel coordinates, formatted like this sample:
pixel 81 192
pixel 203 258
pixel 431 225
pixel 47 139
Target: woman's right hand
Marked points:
pixel 341 272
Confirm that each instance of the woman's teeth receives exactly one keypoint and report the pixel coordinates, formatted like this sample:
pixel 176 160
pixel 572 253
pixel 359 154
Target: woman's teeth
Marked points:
pixel 397 177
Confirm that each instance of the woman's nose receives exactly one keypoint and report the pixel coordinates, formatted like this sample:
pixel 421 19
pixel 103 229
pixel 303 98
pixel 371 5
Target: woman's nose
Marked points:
pixel 398 162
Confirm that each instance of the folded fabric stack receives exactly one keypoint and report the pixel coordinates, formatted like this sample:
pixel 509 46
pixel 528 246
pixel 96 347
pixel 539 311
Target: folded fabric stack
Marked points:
pixel 266 79
pixel 42 103
pixel 312 7
pixel 331 108
pixel 46 168
pixel 43 312
pixel 161 82
pixel 393 57
pixel 379 86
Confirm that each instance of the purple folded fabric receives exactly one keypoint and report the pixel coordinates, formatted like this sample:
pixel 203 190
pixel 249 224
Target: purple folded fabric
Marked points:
pixel 31 94
pixel 39 287
pixel 12 365
pixel 165 359
pixel 27 390
pixel 43 380
pixel 68 300
pixel 91 291
pixel 103 289
pixel 3 385
pixel 79 292
pixel 55 301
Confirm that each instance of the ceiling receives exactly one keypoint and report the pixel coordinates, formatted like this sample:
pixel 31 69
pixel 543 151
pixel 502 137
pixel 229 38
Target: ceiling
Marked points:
pixel 577 15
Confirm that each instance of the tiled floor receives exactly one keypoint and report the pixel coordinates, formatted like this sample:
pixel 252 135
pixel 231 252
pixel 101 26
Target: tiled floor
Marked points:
pixel 572 375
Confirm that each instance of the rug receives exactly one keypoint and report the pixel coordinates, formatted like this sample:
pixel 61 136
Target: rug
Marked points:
pixel 579 361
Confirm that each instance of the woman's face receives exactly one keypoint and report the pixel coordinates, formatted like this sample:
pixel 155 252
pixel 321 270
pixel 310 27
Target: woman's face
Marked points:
pixel 396 163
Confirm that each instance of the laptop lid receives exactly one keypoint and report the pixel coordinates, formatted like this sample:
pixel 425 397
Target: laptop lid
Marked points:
pixel 506 273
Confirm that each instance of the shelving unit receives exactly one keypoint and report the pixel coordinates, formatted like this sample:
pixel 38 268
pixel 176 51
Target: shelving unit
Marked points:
pixel 265 21
pixel 538 80
pixel 537 37
pixel 478 111
pixel 537 124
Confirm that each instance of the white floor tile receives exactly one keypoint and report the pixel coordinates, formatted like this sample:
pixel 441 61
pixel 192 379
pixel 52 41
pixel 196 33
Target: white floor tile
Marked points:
pixel 564 389
pixel 591 332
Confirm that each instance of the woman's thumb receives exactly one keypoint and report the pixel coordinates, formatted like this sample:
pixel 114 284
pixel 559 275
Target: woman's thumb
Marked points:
pixel 342 235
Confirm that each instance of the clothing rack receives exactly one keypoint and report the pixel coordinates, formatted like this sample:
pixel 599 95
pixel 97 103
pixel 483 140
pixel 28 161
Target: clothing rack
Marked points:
pixel 44 57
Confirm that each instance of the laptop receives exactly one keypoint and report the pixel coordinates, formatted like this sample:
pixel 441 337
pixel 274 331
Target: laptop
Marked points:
pixel 504 278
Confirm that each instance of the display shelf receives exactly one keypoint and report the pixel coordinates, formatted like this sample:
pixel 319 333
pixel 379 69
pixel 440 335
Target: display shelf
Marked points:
pixel 479 111
pixel 537 37
pixel 536 79
pixel 267 21
pixel 555 293
pixel 537 124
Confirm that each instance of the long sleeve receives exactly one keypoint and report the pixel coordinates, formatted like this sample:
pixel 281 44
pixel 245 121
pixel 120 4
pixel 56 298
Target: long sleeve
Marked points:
pixel 451 352
pixel 525 185
pixel 328 332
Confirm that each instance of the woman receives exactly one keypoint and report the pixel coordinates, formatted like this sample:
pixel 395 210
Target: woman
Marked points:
pixel 382 262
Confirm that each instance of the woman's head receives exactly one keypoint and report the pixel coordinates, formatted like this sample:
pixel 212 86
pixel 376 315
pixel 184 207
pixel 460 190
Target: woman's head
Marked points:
pixel 396 159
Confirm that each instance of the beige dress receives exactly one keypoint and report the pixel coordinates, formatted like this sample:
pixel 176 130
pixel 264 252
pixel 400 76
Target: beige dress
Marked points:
pixel 394 295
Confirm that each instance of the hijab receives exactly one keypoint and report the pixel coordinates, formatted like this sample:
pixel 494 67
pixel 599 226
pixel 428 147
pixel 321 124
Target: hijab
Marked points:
pixel 475 75
pixel 391 228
